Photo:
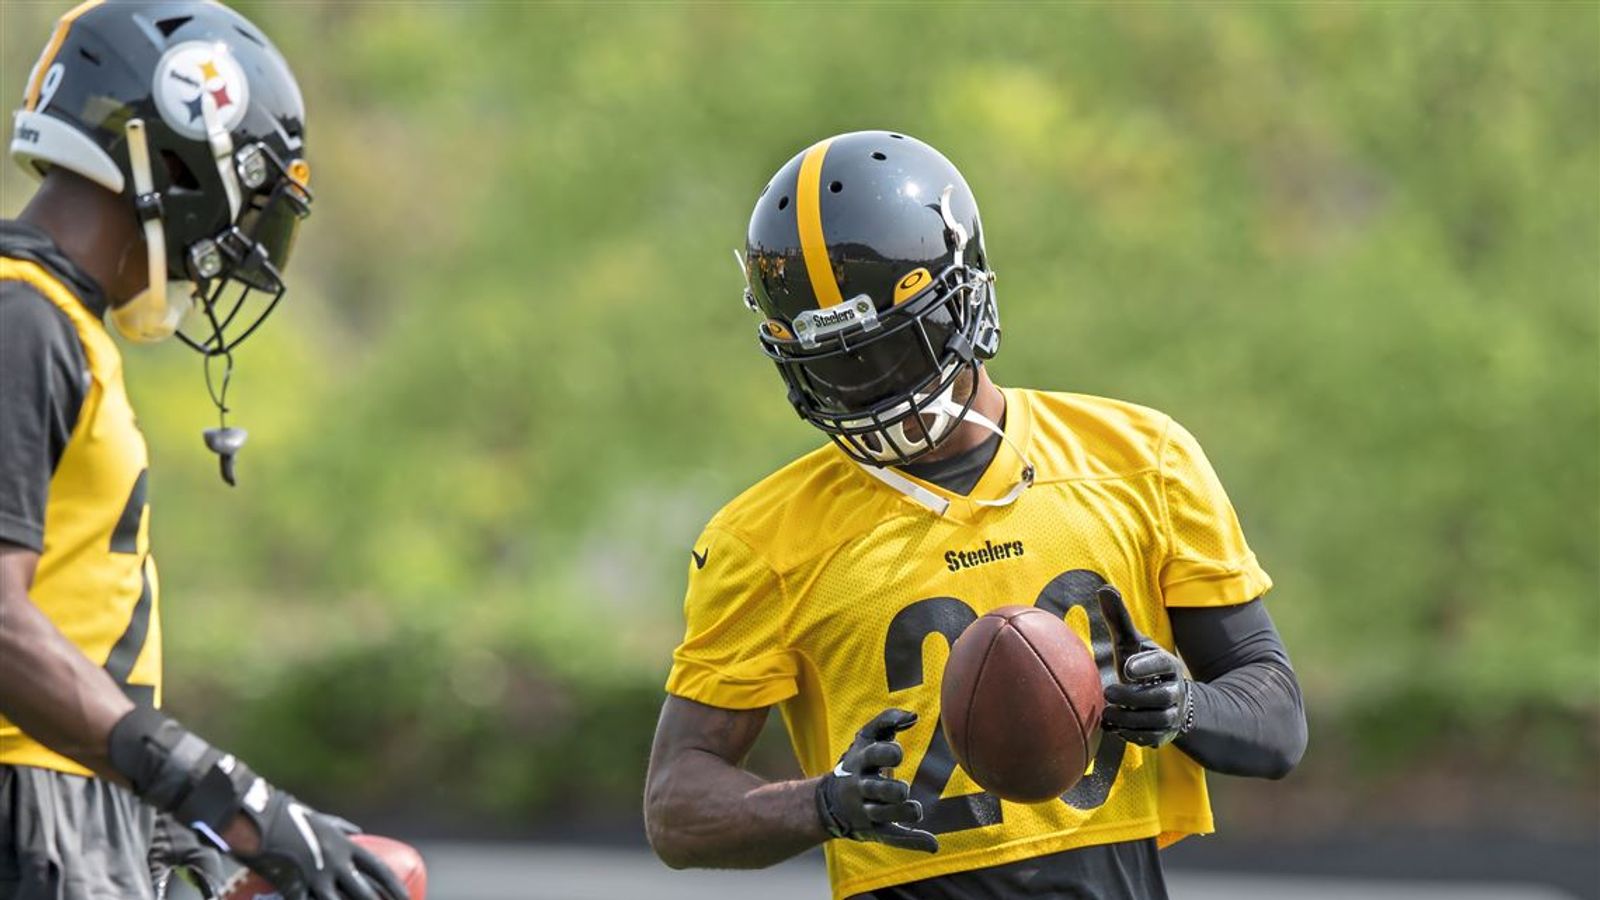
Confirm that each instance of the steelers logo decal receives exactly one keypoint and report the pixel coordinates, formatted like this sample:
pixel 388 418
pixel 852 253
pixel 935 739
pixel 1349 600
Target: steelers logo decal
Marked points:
pixel 198 79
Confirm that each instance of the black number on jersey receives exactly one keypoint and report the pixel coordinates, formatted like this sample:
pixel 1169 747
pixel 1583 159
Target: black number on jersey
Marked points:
pixel 125 652
pixel 902 658
pixel 1076 589
pixel 948 617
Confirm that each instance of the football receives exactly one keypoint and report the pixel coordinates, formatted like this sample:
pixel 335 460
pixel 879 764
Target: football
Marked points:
pixel 401 858
pixel 1021 704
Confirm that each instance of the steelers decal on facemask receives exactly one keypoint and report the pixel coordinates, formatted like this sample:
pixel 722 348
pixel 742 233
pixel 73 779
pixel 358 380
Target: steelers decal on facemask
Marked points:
pixel 196 79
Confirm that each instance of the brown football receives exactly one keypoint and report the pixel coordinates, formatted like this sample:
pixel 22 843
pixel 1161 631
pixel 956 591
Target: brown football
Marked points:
pixel 401 858
pixel 1021 704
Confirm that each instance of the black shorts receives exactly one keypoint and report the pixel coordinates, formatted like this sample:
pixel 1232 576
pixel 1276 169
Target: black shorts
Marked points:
pixel 66 837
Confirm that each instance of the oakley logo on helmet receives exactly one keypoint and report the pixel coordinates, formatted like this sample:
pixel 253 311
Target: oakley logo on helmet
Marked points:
pixel 907 287
pixel 196 75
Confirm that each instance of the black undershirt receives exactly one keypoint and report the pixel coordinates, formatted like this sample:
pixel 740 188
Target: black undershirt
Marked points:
pixel 44 377
pixel 1248 721
pixel 960 473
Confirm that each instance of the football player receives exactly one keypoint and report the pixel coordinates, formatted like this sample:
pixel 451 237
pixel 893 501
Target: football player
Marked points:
pixel 832 588
pixel 169 138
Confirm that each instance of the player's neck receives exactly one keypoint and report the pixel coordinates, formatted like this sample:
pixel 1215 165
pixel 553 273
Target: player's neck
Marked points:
pixel 990 402
pixel 91 227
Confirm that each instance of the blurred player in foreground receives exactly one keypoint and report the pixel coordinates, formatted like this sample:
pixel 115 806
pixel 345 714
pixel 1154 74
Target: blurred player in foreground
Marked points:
pixel 942 497
pixel 169 140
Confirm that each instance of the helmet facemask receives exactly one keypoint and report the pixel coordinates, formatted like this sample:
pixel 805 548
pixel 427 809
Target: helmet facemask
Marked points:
pixel 885 389
pixel 244 261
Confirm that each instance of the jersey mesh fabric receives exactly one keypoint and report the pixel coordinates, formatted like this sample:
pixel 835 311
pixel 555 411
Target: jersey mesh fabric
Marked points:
pixel 833 596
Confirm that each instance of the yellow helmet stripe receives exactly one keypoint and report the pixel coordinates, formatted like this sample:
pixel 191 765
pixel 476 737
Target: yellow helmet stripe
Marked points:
pixel 48 57
pixel 808 210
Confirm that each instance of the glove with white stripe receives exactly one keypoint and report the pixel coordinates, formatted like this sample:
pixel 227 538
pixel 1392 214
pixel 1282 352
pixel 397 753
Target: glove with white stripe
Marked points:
pixel 307 855
pixel 862 801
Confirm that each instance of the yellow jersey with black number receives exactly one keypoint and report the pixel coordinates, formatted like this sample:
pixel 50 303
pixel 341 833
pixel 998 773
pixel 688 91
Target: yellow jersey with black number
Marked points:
pixel 96 580
pixel 833 596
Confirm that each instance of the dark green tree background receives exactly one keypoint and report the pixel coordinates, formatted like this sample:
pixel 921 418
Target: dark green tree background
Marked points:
pixel 1354 248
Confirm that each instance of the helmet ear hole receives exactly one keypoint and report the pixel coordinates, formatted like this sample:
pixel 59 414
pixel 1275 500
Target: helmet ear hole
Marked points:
pixel 178 173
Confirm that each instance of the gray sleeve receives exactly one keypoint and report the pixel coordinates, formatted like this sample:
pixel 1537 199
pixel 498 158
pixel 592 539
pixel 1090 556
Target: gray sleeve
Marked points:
pixel 43 379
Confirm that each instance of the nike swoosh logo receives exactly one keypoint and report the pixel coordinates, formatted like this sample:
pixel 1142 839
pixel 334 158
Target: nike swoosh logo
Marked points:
pixel 302 822
pixel 700 558
pixel 840 771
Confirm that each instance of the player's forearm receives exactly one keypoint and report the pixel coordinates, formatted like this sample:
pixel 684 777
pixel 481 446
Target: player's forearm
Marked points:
pixel 51 690
pixel 1248 722
pixel 1248 715
pixel 703 812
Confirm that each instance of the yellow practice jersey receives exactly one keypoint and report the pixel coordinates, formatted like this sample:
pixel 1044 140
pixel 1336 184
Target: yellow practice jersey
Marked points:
pixel 96 580
pixel 833 596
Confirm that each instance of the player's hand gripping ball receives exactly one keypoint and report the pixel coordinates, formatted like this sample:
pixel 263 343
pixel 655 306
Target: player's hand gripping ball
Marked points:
pixel 862 801
pixel 1153 702
pixel 403 862
pixel 1021 704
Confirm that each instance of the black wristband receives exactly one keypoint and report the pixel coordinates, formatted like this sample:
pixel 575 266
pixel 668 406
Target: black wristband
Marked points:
pixel 175 771
pixel 1186 725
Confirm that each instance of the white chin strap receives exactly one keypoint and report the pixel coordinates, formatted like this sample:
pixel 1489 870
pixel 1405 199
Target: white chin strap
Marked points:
pixel 948 409
pixel 153 314
pixel 892 441
pixel 149 316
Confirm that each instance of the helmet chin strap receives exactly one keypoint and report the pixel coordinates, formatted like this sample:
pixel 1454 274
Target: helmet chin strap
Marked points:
pixel 148 316
pixel 937 504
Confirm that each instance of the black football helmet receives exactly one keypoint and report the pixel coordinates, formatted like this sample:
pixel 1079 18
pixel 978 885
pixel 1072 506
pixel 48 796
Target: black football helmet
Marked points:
pixel 865 257
pixel 189 112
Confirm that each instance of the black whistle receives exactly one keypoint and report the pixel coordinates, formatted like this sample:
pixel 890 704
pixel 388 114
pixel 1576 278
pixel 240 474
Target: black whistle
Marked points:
pixel 225 442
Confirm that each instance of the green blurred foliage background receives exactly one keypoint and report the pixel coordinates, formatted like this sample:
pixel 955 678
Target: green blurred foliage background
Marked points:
pixel 1354 248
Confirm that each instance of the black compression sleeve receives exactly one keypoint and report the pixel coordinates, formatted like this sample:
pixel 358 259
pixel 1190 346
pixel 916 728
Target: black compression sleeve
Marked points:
pixel 1248 718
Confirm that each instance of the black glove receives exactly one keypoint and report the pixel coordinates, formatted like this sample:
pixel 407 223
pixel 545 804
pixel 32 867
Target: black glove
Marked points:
pixel 178 854
pixel 307 855
pixel 1154 701
pixel 861 801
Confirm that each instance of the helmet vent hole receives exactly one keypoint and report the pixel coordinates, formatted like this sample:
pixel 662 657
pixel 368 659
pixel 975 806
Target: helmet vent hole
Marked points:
pixel 783 202
pixel 252 37
pixel 898 137
pixel 878 155
pixel 836 187
pixel 168 26
pixel 84 52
